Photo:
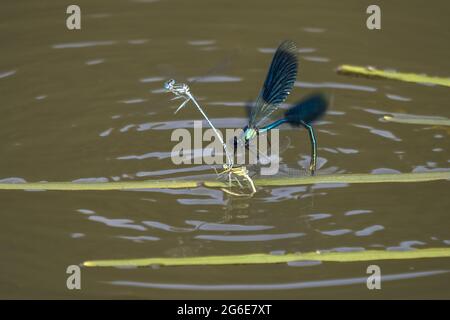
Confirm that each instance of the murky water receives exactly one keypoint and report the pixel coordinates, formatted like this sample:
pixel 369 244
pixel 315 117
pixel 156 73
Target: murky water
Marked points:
pixel 87 105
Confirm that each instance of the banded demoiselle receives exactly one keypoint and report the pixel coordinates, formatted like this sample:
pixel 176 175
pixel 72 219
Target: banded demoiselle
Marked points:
pixel 277 86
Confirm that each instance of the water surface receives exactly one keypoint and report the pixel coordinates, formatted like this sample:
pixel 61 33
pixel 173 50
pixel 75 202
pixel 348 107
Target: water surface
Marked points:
pixel 87 106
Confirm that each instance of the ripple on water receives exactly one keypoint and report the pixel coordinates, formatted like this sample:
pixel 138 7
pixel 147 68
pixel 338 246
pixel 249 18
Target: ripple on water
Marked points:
pixel 209 226
pixel 384 170
pixel 201 42
pixel 356 212
pixel 77 235
pixel 338 232
pixel 347 150
pixel 406 245
pixel 284 193
pixel 426 169
pixel 369 230
pixel 189 124
pixel 316 59
pixel 137 41
pixel 152 79
pixel 133 101
pixel 382 133
pixel 306 160
pixel 7 74
pixel 126 127
pixel 304 263
pixel 165 227
pixel 117 223
pixel 210 196
pixel 86 211
pixel 275 286
pixel 249 238
pixel 85 44
pixel 13 180
pixel 106 133
pixel 157 155
pixel 397 97
pixel 228 103
pixel 215 79
pixel 318 216
pixel 314 30
pixel 334 85
pixel 139 239
pixel 94 62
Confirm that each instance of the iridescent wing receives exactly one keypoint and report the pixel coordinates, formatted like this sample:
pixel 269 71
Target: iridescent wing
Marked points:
pixel 307 110
pixel 278 84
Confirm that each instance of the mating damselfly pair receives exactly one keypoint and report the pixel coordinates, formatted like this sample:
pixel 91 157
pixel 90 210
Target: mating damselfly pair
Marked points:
pixel 277 86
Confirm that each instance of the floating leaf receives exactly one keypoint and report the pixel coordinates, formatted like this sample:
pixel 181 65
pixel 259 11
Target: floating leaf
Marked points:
pixel 261 182
pixel 84 186
pixel 372 72
pixel 343 178
pixel 263 258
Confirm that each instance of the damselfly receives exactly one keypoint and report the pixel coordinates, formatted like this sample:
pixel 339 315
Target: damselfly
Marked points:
pixel 277 86
pixel 182 91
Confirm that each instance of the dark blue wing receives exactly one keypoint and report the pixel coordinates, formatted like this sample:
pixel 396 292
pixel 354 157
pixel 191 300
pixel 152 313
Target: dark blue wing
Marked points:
pixel 308 110
pixel 278 84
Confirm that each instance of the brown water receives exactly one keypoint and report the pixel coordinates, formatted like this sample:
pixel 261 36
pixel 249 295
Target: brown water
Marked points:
pixel 86 105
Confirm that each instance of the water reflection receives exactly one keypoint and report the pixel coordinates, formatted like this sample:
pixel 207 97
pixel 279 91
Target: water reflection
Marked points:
pixel 275 286
pixel 397 97
pixel 406 245
pixel 201 42
pixel 334 85
pixel 316 59
pixel 357 212
pixel 215 79
pixel 202 225
pixel 139 239
pixel 86 44
pixel 382 133
pixel 7 74
pixel 94 62
pixel 369 230
pixel 117 223
pixel 338 232
pixel 248 238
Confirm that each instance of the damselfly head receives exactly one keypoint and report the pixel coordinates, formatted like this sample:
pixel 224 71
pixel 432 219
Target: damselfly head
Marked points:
pixel 249 134
pixel 168 85
pixel 244 139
